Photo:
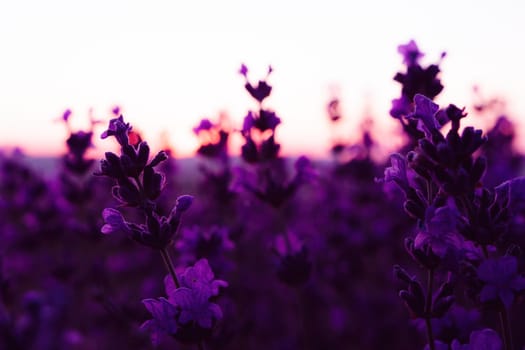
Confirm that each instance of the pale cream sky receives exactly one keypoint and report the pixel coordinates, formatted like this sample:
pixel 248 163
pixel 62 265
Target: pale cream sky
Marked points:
pixel 170 63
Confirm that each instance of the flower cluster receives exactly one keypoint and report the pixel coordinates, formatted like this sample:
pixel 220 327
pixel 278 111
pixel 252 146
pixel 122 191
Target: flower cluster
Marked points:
pixel 187 314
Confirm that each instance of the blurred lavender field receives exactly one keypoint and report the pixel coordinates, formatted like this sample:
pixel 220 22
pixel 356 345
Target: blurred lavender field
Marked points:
pixel 423 250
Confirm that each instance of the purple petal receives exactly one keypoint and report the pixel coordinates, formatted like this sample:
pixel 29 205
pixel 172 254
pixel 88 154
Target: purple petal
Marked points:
pixel 152 326
pixel 507 297
pixel 398 171
pixel 215 286
pixel 489 292
pixel 184 203
pixel 508 265
pixel 182 297
pixel 425 111
pixel 202 269
pixel 185 316
pixel 518 284
pixel 114 221
pixel 486 339
pixel 243 70
pixel 169 285
pixel 215 311
pixel 488 271
pixel 410 52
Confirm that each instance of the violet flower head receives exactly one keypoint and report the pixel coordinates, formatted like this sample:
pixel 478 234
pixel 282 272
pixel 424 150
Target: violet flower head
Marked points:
pixel 501 279
pixel 114 222
pixel 199 278
pixel 65 116
pixel 415 80
pixel 267 120
pixel 243 70
pixel 204 125
pixel 401 107
pixel 213 138
pixel 397 172
pixel 119 129
pixel 425 111
pixel 198 285
pixel 410 53
pixel 262 90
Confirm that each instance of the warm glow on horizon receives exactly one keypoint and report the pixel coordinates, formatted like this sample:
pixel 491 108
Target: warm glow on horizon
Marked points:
pixel 168 64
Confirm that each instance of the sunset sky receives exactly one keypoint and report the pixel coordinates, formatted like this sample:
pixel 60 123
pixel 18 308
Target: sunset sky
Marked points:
pixel 170 63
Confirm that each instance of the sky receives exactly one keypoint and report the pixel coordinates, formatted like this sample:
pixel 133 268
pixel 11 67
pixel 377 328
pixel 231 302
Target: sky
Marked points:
pixel 168 64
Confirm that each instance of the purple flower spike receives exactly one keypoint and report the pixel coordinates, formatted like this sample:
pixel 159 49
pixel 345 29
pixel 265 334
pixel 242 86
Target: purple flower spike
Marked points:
pixel 501 279
pixel 114 222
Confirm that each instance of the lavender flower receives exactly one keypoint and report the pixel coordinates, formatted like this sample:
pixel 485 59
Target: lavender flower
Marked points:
pixel 199 278
pixel 187 314
pixel 486 339
pixel 501 280
pixel 118 128
pixel 114 222
pixel 439 230
pixel 261 90
pixel 410 53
